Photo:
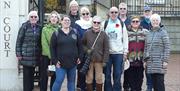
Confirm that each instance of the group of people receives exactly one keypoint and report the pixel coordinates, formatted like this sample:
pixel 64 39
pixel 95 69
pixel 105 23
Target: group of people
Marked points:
pixel 66 41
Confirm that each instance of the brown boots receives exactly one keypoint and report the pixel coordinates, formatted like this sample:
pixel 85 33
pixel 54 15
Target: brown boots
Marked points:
pixel 98 87
pixel 90 87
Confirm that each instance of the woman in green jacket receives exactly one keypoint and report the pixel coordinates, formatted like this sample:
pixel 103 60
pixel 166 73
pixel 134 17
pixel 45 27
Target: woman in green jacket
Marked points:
pixel 48 29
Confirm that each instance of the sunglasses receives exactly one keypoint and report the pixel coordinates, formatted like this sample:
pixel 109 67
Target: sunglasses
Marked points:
pixel 85 13
pixel 135 21
pixel 122 8
pixel 95 22
pixel 115 12
pixel 33 16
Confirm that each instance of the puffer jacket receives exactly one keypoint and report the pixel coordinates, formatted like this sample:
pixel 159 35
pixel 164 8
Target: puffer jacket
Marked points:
pixel 157 47
pixel 28 44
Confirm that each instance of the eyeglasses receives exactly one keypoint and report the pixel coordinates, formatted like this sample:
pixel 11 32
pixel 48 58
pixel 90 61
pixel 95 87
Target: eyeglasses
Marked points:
pixel 33 16
pixel 95 22
pixel 114 12
pixel 122 8
pixel 85 13
pixel 135 21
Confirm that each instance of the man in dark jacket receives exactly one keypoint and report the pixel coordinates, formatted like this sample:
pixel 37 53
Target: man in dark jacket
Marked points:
pixel 145 21
pixel 73 14
pixel 28 49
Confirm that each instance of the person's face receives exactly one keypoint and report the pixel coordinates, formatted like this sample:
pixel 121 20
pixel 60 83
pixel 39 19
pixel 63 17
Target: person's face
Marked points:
pixel 85 15
pixel 155 22
pixel 113 13
pixel 66 22
pixel 96 23
pixel 33 18
pixel 54 19
pixel 74 8
pixel 147 13
pixel 122 10
pixel 135 23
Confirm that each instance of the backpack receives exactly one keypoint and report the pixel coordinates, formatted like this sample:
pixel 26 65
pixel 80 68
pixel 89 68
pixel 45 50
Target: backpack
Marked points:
pixel 106 22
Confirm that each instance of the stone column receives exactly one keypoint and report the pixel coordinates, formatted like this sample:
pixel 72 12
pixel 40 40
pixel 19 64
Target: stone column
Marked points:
pixel 9 26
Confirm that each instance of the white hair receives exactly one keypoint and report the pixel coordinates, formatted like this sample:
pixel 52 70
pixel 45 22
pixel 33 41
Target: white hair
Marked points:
pixel 97 17
pixel 33 13
pixel 155 16
pixel 73 2
pixel 84 9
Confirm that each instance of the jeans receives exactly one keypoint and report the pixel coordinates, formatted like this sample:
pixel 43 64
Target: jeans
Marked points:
pixel 60 75
pixel 115 61
pixel 149 82
pixel 158 82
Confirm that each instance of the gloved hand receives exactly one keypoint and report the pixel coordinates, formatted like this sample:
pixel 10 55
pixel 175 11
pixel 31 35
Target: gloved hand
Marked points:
pixel 89 51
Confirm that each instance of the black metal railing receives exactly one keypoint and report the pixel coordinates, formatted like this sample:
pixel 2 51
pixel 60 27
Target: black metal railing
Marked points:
pixel 167 8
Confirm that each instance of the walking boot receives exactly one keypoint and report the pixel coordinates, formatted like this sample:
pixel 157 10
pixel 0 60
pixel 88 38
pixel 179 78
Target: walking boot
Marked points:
pixel 89 87
pixel 98 87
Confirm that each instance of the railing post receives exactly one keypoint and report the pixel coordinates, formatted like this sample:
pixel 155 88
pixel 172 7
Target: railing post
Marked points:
pixel 41 11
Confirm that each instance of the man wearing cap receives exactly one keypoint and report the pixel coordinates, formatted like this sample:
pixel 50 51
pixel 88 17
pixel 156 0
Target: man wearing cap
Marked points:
pixel 145 21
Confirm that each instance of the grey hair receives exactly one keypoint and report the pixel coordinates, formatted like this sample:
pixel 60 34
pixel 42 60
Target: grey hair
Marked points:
pixel 155 16
pixel 56 13
pixel 73 2
pixel 31 13
pixel 97 17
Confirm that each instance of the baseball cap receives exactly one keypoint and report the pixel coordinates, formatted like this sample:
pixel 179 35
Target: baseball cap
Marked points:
pixel 147 8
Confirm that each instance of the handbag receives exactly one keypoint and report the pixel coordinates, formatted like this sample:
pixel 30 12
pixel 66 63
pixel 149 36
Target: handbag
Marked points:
pixel 85 67
pixel 51 69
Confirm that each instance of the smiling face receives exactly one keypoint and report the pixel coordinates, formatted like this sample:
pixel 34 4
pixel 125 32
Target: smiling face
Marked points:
pixel 66 22
pixel 33 17
pixel 85 13
pixel 74 8
pixel 96 23
pixel 135 23
pixel 113 13
pixel 155 22
pixel 54 19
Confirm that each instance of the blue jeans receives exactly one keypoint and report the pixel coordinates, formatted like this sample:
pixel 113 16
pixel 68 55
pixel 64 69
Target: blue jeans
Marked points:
pixel 60 75
pixel 115 61
pixel 149 82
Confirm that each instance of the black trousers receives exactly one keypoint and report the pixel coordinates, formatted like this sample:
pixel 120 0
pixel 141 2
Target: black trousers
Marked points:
pixel 125 82
pixel 44 74
pixel 28 78
pixel 135 77
pixel 158 82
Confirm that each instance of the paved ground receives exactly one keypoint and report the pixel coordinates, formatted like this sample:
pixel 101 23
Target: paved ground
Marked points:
pixel 172 78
